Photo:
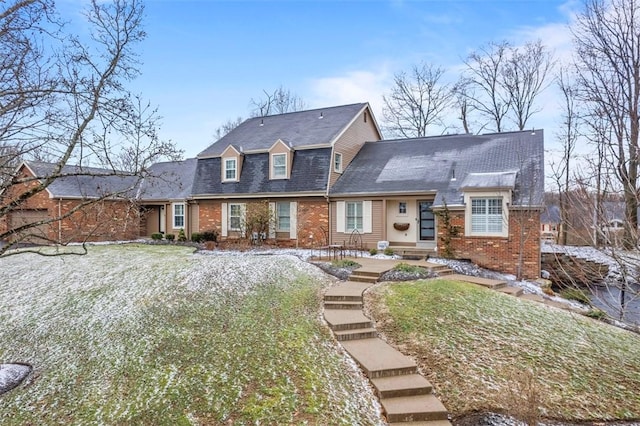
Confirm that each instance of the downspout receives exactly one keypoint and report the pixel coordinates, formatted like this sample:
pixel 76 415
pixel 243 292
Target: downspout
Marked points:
pixel 328 218
pixel 59 220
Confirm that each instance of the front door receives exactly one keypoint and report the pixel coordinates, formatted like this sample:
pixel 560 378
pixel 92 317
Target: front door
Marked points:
pixel 427 221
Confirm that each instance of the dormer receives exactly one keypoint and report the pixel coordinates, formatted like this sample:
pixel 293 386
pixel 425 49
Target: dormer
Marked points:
pixel 280 160
pixel 231 164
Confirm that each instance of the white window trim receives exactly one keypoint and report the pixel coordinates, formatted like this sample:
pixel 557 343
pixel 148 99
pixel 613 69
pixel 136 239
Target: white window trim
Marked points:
pixel 336 156
pixel 224 170
pixel 175 216
pixel 286 166
pixel 341 217
pixel 240 217
pixel 278 228
pixel 506 200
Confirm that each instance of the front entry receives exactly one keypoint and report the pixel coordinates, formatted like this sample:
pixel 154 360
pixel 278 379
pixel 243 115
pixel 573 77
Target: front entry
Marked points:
pixel 427 222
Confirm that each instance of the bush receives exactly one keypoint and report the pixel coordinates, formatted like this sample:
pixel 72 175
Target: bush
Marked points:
pixel 170 237
pixel 182 237
pixel 196 237
pixel 388 251
pixel 209 236
pixel 411 269
pixel 157 236
pixel 345 263
pixel 596 313
pixel 576 294
pixel 373 251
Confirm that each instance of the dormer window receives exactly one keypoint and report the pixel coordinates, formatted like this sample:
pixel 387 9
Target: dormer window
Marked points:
pixel 230 169
pixel 337 162
pixel 279 166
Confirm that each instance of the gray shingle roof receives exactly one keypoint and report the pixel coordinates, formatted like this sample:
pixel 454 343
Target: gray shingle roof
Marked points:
pixel 85 182
pixel 169 180
pixel 309 173
pixel 441 164
pixel 302 128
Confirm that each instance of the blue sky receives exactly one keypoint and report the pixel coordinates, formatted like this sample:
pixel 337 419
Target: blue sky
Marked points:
pixel 203 60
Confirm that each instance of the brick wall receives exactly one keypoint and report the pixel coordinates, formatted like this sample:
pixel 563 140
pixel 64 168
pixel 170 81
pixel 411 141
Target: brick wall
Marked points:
pixel 500 254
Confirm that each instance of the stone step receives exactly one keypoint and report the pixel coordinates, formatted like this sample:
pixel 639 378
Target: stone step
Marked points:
pixel 424 423
pixel 364 278
pixel 345 304
pixel 414 408
pixel 378 359
pixel 512 291
pixel 485 282
pixel 346 319
pixel 354 334
pixel 407 385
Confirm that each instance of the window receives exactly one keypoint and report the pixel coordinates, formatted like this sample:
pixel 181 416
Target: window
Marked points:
pixel 178 215
pixel 230 169
pixel 284 216
pixel 402 207
pixel 337 162
pixel 278 166
pixel 354 216
pixel 486 215
pixel 235 216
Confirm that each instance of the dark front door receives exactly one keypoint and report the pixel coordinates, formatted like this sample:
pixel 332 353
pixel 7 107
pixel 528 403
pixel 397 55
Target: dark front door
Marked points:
pixel 427 221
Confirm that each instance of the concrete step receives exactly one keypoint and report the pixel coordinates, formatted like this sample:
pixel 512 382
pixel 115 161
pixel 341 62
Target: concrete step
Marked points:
pixel 365 273
pixel 424 423
pixel 378 359
pixel 512 291
pixel 444 271
pixel 407 385
pixel 346 319
pixel 344 298
pixel 364 278
pixel 485 282
pixel 342 305
pixel 354 334
pixel 346 290
pixel 414 408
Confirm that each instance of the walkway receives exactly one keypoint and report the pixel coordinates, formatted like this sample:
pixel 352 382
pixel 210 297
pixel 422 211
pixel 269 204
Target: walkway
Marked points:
pixel 406 396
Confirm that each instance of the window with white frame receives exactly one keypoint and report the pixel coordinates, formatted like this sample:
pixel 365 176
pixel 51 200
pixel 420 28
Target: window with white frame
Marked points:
pixel 230 169
pixel 283 212
pixel 486 215
pixel 402 207
pixel 235 217
pixel 354 216
pixel 279 166
pixel 337 162
pixel 178 215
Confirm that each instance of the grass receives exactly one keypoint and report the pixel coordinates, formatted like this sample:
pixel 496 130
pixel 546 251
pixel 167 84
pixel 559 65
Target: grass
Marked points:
pixel 156 335
pixel 476 346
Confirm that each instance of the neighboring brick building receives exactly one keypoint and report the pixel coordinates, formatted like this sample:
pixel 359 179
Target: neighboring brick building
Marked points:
pixel 79 198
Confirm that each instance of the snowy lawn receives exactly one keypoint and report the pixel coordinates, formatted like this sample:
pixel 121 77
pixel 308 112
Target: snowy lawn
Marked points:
pixel 144 334
pixel 478 346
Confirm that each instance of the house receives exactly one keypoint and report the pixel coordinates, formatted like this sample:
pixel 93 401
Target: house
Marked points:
pixel 95 205
pixel 269 178
pixel 550 222
pixel 473 197
pixel 164 196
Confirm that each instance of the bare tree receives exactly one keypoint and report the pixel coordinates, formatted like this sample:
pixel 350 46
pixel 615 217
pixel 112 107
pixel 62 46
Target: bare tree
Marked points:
pixel 279 101
pixel 606 37
pixel 63 98
pixel 417 101
pixel 226 127
pixel 503 82
pixel 568 137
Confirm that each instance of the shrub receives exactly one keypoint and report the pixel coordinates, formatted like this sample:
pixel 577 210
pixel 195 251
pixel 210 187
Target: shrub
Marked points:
pixel 209 236
pixel 157 236
pixel 405 267
pixel 373 251
pixel 170 237
pixel 576 294
pixel 345 263
pixel 388 251
pixel 196 237
pixel 596 313
pixel 182 237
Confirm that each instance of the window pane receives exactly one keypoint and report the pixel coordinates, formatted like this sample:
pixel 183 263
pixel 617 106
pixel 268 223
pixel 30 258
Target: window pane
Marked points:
pixel 354 216
pixel 230 169
pixel 284 213
pixel 486 215
pixel 279 165
pixel 337 162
